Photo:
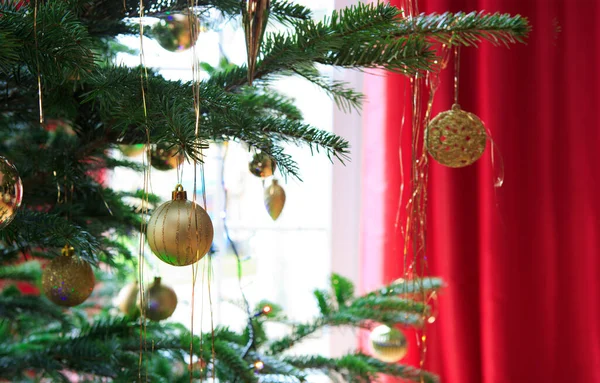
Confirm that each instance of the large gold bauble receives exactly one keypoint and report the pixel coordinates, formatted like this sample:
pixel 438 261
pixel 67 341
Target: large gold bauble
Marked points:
pixel 262 165
pixel 180 232
pixel 274 199
pixel 68 280
pixel 161 301
pixel 127 300
pixel 163 158
pixel 388 344
pixel 11 192
pixel 174 32
pixel 456 138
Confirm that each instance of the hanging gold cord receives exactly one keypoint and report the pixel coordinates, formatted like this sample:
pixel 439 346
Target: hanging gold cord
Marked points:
pixel 145 204
pixel 37 61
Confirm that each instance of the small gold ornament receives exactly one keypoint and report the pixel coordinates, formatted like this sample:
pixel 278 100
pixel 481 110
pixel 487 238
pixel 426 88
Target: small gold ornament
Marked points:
pixel 174 31
pixel 389 344
pixel 132 150
pixel 255 14
pixel 180 232
pixel 262 165
pixel 68 280
pixel 161 301
pixel 163 158
pixel 127 300
pixel 456 138
pixel 274 199
pixel 11 192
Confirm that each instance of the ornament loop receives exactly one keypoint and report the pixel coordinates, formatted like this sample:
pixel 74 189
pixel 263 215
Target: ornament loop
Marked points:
pixel 179 193
pixel 67 251
pixel 456 107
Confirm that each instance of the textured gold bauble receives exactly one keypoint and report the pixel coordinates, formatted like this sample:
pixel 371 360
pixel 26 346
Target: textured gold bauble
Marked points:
pixel 132 150
pixel 127 300
pixel 68 280
pixel 163 158
pixel 274 199
pixel 11 192
pixel 389 344
pixel 174 33
pixel 456 138
pixel 161 301
pixel 262 165
pixel 180 232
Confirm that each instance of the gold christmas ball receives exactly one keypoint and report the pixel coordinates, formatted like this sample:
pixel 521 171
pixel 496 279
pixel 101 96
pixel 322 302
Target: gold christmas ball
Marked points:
pixel 262 165
pixel 68 280
pixel 163 158
pixel 179 232
pixel 274 199
pixel 456 138
pixel 127 300
pixel 132 150
pixel 388 344
pixel 174 32
pixel 11 192
pixel 161 301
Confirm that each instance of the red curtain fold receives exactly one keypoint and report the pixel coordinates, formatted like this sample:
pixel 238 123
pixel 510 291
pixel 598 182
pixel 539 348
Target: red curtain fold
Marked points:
pixel 520 261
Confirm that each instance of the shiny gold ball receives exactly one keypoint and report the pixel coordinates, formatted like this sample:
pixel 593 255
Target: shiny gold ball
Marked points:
pixel 132 150
pixel 456 138
pixel 127 300
pixel 163 158
pixel 180 232
pixel 262 165
pixel 11 192
pixel 274 199
pixel 388 344
pixel 174 32
pixel 161 301
pixel 68 280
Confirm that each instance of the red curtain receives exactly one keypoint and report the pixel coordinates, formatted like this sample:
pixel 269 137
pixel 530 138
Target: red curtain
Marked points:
pixel 521 262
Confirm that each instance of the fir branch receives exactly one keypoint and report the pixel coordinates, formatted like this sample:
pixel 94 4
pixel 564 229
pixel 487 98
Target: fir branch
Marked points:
pixel 13 307
pixel 468 29
pixel 28 271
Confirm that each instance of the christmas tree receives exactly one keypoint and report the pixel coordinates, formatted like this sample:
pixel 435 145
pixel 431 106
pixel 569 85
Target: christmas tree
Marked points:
pixel 66 108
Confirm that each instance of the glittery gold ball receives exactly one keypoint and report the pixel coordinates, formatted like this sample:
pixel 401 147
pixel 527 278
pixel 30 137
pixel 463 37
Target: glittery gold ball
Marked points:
pixel 180 232
pixel 274 199
pixel 11 192
pixel 174 33
pixel 456 138
pixel 262 165
pixel 127 299
pixel 163 158
pixel 68 280
pixel 389 344
pixel 161 301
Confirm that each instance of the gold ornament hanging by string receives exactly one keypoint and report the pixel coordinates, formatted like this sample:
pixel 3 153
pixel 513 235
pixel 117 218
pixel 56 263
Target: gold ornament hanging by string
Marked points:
pixel 274 199
pixel 255 14
pixel 456 138
pixel 180 231
pixel 174 31
pixel 389 344
pixel 163 158
pixel 11 192
pixel 161 301
pixel 262 165
pixel 68 280
pixel 127 300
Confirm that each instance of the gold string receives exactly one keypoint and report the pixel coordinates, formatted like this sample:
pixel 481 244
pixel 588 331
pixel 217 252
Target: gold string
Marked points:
pixel 456 72
pixel 37 62
pixel 146 163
